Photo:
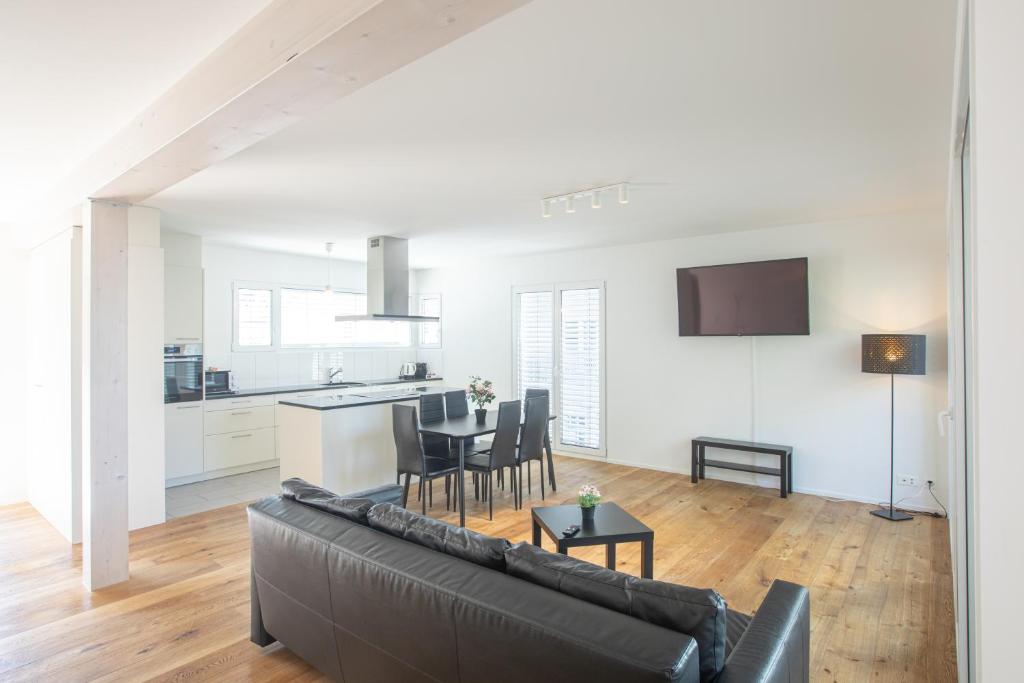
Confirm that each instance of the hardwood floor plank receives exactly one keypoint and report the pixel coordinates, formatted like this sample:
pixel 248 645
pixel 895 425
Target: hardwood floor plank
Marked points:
pixel 881 593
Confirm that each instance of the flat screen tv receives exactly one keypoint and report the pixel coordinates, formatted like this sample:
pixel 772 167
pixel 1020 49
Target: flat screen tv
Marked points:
pixel 741 299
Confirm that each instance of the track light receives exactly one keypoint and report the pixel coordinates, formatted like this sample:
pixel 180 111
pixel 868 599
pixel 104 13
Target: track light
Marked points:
pixel 593 192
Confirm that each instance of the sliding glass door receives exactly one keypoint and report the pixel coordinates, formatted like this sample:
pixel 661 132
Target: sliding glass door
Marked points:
pixel 558 345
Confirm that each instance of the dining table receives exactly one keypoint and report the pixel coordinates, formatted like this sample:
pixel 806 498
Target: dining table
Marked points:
pixel 465 427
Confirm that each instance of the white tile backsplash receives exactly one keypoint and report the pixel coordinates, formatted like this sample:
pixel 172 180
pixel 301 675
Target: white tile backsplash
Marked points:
pixel 263 369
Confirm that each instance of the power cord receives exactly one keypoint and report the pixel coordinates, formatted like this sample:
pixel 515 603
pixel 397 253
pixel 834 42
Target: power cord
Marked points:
pixel 930 485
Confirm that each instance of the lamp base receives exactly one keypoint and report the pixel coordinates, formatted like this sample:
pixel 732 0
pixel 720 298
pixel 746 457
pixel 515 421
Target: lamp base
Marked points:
pixel 894 516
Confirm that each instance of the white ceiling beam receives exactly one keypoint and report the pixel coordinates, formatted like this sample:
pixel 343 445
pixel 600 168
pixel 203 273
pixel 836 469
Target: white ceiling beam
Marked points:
pixel 291 59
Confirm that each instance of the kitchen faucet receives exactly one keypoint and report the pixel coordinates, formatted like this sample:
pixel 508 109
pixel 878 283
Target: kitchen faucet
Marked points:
pixel 334 372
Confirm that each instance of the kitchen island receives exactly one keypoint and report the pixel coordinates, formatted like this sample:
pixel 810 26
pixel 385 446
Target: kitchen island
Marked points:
pixel 342 443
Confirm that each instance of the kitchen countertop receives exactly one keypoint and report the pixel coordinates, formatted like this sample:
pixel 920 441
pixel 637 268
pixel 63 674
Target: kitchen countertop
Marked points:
pixel 296 388
pixel 352 400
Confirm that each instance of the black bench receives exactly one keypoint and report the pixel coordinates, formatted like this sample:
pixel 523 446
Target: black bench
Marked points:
pixel 784 471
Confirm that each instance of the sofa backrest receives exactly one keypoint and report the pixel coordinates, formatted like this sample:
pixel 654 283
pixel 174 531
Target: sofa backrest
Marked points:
pixel 362 605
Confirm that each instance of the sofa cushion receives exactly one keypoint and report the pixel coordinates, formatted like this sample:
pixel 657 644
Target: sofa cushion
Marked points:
pixel 699 613
pixel 301 491
pixel 468 545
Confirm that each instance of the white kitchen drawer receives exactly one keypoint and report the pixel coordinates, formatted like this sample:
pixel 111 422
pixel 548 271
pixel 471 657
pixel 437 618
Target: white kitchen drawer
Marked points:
pixel 240 402
pixel 239 448
pixel 239 419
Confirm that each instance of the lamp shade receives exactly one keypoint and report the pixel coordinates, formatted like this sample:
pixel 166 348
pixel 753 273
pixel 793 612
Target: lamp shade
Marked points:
pixel 892 354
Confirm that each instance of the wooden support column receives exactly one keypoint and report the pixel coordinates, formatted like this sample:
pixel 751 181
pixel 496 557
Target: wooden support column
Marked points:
pixel 104 394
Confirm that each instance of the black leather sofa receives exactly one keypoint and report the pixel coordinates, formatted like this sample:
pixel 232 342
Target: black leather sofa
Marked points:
pixel 369 592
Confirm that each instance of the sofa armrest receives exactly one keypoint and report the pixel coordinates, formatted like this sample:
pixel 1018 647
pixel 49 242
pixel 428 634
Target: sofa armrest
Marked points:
pixel 775 648
pixel 257 631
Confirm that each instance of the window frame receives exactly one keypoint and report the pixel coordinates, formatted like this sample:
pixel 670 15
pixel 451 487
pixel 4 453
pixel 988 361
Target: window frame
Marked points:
pixel 440 330
pixel 276 320
pixel 556 289
pixel 236 346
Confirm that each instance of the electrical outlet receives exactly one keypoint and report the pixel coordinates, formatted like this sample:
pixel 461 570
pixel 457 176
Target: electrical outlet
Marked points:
pixel 907 480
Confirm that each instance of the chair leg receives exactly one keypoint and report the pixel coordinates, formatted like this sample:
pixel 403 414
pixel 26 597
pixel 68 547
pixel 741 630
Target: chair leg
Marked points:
pixel 419 491
pixel 490 497
pixel 423 499
pixel 529 485
pixel 541 464
pixel 405 490
pixel 430 492
pixel 520 468
pixel 476 487
pixel 501 478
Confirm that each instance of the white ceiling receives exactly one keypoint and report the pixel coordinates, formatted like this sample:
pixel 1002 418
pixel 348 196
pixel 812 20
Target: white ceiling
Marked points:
pixel 74 73
pixel 723 115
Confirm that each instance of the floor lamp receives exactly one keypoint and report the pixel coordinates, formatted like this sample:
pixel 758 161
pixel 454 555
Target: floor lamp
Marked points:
pixel 892 354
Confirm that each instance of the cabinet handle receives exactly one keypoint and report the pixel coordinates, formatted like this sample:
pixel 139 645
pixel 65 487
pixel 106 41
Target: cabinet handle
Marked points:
pixel 242 412
pixel 241 436
pixel 186 407
pixel 186 339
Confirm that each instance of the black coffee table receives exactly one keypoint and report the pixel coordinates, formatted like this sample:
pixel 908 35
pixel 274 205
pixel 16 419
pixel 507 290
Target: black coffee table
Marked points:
pixel 611 525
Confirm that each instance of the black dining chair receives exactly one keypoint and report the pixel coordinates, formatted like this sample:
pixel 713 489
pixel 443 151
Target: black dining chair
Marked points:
pixel 531 442
pixel 456 404
pixel 535 393
pixel 432 410
pixel 501 454
pixel 412 458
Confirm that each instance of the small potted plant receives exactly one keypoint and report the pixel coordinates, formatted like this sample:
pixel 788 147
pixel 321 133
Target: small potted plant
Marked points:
pixel 481 392
pixel 589 498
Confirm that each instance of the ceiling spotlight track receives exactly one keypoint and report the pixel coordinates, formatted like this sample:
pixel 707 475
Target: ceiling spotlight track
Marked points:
pixel 593 192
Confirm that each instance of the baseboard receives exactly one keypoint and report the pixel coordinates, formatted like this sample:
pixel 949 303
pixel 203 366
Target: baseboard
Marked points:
pixel 217 474
pixel 821 493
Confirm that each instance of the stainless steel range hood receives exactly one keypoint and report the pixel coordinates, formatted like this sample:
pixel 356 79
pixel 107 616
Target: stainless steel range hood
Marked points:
pixel 387 282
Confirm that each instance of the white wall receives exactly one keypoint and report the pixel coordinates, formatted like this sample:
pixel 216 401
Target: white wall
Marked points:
pixel 54 468
pixel 869 275
pixel 225 265
pixel 13 274
pixel 997 109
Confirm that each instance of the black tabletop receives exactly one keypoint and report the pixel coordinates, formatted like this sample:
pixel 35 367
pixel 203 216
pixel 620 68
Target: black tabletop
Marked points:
pixel 611 523
pixel 464 427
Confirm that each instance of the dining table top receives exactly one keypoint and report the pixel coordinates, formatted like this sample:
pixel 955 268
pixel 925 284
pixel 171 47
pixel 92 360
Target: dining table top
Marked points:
pixel 465 426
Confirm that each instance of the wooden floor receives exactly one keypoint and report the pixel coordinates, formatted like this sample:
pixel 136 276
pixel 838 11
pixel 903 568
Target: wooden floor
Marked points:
pixel 881 592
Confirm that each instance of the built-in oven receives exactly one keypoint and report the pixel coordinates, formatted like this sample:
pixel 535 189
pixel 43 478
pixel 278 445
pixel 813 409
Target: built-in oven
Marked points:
pixel 183 373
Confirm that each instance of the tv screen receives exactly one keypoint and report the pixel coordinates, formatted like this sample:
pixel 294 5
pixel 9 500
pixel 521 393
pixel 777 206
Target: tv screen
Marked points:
pixel 760 298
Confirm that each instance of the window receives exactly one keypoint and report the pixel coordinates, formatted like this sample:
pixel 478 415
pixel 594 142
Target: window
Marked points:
pixel 580 355
pixel 307 319
pixel 254 318
pixel 534 347
pixel 559 346
pixel 430 333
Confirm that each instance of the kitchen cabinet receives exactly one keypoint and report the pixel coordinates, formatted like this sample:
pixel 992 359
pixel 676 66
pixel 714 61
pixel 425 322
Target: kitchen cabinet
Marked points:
pixel 183 439
pixel 183 305
pixel 240 448
pixel 239 431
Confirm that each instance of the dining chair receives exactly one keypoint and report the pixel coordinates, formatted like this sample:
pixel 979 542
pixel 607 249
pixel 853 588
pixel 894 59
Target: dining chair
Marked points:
pixel 531 442
pixel 456 404
pixel 432 410
pixel 501 454
pixel 412 458
pixel 535 393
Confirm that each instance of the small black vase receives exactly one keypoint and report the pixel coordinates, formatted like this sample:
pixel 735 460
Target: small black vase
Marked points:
pixel 481 415
pixel 588 513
